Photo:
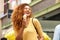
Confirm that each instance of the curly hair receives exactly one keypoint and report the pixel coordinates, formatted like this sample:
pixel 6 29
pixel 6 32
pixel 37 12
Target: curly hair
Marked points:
pixel 17 15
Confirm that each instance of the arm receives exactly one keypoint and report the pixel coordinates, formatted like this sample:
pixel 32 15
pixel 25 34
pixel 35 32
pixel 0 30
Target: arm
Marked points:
pixel 20 34
pixel 57 33
pixel 38 27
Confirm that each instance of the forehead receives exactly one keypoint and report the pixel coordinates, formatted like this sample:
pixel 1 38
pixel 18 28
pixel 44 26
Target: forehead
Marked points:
pixel 26 7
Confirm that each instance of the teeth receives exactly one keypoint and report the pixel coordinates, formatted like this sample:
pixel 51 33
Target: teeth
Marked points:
pixel 27 13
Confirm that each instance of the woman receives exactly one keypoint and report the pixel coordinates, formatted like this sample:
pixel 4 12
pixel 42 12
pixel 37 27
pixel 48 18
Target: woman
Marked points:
pixel 24 25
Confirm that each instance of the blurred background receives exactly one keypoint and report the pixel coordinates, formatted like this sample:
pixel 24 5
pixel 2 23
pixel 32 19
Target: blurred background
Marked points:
pixel 46 11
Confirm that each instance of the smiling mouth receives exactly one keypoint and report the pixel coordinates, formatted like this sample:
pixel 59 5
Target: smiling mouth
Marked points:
pixel 27 13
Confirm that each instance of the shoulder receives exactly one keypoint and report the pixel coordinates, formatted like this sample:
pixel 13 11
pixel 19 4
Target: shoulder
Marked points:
pixel 35 20
pixel 58 27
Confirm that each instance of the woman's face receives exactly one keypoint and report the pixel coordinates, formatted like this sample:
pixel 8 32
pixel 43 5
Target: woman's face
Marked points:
pixel 27 11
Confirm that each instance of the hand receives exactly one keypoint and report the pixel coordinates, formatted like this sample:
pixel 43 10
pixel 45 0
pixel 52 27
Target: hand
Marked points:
pixel 24 17
pixel 40 38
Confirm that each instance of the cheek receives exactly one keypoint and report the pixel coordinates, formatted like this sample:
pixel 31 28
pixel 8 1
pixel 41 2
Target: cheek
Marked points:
pixel 24 9
pixel 30 11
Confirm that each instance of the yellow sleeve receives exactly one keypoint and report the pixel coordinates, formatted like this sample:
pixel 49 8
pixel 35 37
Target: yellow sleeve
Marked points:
pixel 10 35
pixel 38 27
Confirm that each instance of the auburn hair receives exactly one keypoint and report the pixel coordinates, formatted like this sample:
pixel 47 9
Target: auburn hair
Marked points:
pixel 17 16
